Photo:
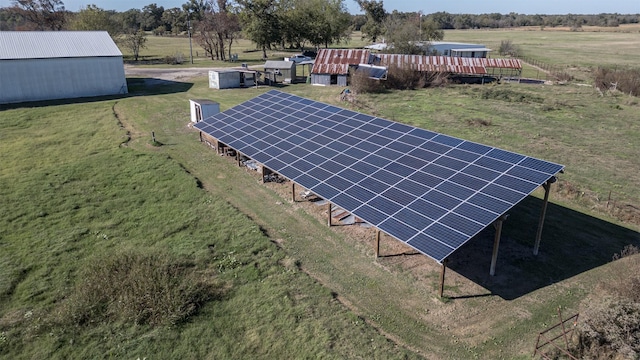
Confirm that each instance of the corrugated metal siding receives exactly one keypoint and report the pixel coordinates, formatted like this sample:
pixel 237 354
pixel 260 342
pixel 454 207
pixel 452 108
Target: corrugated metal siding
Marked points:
pixel 460 65
pixel 337 61
pixel 46 79
pixel 320 79
pixel 503 63
pixel 56 44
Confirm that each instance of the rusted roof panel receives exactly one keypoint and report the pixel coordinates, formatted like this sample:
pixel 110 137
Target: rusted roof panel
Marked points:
pixel 503 63
pixel 450 64
pixel 337 61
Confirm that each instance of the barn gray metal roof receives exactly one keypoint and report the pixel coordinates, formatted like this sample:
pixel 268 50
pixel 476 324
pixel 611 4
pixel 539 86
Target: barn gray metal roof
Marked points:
pixel 56 44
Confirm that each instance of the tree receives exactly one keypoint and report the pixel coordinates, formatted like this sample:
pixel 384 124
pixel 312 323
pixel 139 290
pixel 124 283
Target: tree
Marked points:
pixel 134 41
pixel 95 18
pixel 376 14
pixel 196 9
pixel 262 25
pixel 217 30
pixel 41 14
pixel 152 16
pixel 130 20
pixel 175 20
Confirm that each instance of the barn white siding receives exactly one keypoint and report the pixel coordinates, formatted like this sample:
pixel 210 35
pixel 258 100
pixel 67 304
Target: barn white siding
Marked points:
pixel 83 64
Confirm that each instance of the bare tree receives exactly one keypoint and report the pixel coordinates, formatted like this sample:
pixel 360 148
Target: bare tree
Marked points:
pixel 134 41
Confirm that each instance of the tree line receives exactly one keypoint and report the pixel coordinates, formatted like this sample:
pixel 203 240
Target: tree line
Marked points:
pixel 295 24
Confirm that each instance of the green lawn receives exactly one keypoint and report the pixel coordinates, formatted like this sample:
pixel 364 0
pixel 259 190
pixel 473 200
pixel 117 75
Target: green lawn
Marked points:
pixel 82 186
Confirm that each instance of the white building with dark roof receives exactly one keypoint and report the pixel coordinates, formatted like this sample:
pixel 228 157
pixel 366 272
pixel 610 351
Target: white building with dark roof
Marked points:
pixel 47 65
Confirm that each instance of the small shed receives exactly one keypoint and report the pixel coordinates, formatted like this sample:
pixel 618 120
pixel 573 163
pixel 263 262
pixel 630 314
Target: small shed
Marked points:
pixel 280 71
pixel 202 109
pixel 332 66
pixel 224 79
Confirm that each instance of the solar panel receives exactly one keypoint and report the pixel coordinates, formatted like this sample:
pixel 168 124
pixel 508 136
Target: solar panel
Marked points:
pixel 432 191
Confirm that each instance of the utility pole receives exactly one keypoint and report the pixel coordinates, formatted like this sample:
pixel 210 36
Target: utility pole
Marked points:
pixel 189 31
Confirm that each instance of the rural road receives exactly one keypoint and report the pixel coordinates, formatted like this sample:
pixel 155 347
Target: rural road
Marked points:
pixel 170 74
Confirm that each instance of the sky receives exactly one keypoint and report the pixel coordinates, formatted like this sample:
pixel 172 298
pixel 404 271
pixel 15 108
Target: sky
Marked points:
pixel 427 7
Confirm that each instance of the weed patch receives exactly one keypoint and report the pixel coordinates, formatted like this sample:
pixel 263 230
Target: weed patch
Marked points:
pixel 138 288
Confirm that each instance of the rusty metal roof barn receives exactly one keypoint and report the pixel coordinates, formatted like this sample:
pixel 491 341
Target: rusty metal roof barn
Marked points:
pixel 458 65
pixel 337 61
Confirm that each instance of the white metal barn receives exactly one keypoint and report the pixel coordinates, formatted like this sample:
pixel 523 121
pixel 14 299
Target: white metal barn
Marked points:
pixel 47 65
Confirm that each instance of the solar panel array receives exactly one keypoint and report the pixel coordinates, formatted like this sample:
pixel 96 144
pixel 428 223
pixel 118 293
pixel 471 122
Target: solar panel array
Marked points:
pixel 432 191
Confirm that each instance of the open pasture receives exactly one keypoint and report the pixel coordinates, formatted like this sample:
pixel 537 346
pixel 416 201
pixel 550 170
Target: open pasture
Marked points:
pixel 84 183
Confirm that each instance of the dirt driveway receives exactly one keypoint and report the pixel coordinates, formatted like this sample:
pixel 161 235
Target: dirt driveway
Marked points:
pixel 155 76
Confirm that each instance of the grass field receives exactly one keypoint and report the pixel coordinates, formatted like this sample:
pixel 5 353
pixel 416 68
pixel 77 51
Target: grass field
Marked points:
pixel 84 183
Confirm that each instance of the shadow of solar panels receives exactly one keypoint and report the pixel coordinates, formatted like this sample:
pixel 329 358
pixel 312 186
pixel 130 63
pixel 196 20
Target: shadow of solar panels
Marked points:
pixel 429 190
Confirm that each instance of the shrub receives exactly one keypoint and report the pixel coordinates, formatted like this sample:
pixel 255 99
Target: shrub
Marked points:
pixel 361 83
pixel 508 48
pixel 611 329
pixel 626 81
pixel 139 288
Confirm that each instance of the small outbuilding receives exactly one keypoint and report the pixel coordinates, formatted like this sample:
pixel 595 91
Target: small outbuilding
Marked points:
pixel 202 109
pixel 280 71
pixel 47 65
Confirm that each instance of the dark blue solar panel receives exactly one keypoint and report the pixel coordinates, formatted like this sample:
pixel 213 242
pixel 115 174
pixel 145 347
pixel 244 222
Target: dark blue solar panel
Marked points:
pixel 396 228
pixel 361 193
pixel 425 179
pixel 386 177
pixel 413 219
pixel 439 171
pixel 374 185
pixel 349 140
pixel 370 214
pixel 413 188
pixel 411 162
pixel 492 164
pixel 504 155
pixel 489 203
pixel 351 175
pixel 517 184
pixel 290 173
pixel 338 182
pixel 476 213
pixel 400 127
pixel 378 140
pixel 441 199
pixel 319 173
pixel 462 224
pixel 450 163
pixel 463 155
pixel 424 134
pixel 424 154
pixel 429 245
pixel 430 210
pixel 446 235
pixel 326 152
pixel 399 196
pixel 503 193
pixel 388 154
pixel 299 152
pixel 364 167
pixel 367 146
pixel 331 166
pixel 541 165
pixel 430 190
pixel 306 180
pixel 303 165
pixel 385 205
pixel 376 160
pixel 528 174
pixel 468 181
pixel 287 158
pixel 399 146
pixel 326 191
pixel 399 169
pixel 455 190
pixel 480 172
pixel 346 202
pixel 356 153
pixel 338 146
